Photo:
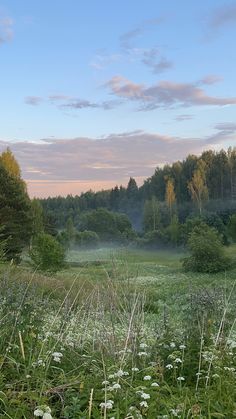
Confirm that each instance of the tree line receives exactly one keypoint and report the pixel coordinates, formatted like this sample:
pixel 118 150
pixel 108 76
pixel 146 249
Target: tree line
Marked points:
pixel 194 185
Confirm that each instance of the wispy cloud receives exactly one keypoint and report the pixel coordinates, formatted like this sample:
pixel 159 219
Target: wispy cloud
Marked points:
pixel 227 127
pixel 33 100
pixel 166 94
pixel 183 117
pixel 157 62
pixel 223 16
pixel 70 102
pixel 128 37
pixel 6 29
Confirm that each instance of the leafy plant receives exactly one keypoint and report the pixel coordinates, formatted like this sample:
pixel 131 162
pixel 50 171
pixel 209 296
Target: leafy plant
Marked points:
pixel 47 254
pixel 207 251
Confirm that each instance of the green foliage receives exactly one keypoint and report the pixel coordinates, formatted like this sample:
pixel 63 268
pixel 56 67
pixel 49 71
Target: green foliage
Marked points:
pixel 47 254
pixel 87 239
pixel 151 215
pixel 207 252
pixel 232 227
pixel 15 213
pixel 37 217
pixel 108 225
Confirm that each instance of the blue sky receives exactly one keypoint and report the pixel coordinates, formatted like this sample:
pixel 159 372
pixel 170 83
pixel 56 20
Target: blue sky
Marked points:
pixel 109 77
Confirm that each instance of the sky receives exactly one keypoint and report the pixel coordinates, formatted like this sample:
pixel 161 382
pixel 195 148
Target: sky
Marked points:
pixel 94 92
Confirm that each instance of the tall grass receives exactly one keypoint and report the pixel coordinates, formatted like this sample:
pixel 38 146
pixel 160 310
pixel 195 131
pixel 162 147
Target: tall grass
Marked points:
pixel 100 349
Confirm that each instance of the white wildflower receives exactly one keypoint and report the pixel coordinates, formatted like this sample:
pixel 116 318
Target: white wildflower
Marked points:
pixel 178 361
pixel 182 346
pixel 143 345
pixel 147 377
pixel 116 386
pixel 38 412
pixel 145 396
pixel 135 369
pixel 143 404
pixel 107 405
pixel 181 379
pixel 155 385
pixel 104 383
pixel 169 366
pixel 143 353
pixel 57 356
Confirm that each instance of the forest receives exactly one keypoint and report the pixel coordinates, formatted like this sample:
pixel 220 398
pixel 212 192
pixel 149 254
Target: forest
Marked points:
pixel 160 211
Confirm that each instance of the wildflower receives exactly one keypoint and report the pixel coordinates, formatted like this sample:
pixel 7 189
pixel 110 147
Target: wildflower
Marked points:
pixel 107 405
pixel 120 373
pixel 178 361
pixel 181 379
pixel 104 383
pixel 111 376
pixel 145 396
pixel 135 369
pixel 38 412
pixel 143 345
pixel 172 345
pixel 57 356
pixel 147 377
pixel 155 385
pixel 142 353
pixel 182 346
pixel 143 404
pixel 43 411
pixel 169 366
pixel 116 386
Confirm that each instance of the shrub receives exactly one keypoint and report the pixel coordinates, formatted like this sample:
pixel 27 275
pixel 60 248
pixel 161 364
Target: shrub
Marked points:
pixel 207 252
pixel 47 254
pixel 87 239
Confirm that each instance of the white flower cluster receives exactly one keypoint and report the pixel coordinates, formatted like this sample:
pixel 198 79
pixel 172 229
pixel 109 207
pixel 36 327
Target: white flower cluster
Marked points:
pixel 107 405
pixel 57 356
pixel 43 412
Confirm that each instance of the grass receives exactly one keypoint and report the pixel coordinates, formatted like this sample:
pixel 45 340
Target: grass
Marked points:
pixel 118 334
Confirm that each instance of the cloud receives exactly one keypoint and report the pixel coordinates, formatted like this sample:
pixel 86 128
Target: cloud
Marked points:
pixel 165 94
pixel 80 104
pixel 6 29
pixel 157 63
pixel 227 127
pixel 33 100
pixel 183 117
pixel 64 101
pixel 223 16
pixel 210 79
pixel 55 166
pixel 127 38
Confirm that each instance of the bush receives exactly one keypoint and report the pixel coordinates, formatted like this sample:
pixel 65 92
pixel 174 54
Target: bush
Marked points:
pixel 87 239
pixel 207 252
pixel 47 254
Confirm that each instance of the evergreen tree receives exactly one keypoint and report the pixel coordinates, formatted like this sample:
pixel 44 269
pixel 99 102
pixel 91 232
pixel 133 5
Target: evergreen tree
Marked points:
pixel 15 213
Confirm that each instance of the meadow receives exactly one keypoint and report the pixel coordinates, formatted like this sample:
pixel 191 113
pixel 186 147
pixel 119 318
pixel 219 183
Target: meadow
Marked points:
pixel 118 334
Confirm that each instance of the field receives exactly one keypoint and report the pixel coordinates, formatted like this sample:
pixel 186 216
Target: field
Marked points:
pixel 118 334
